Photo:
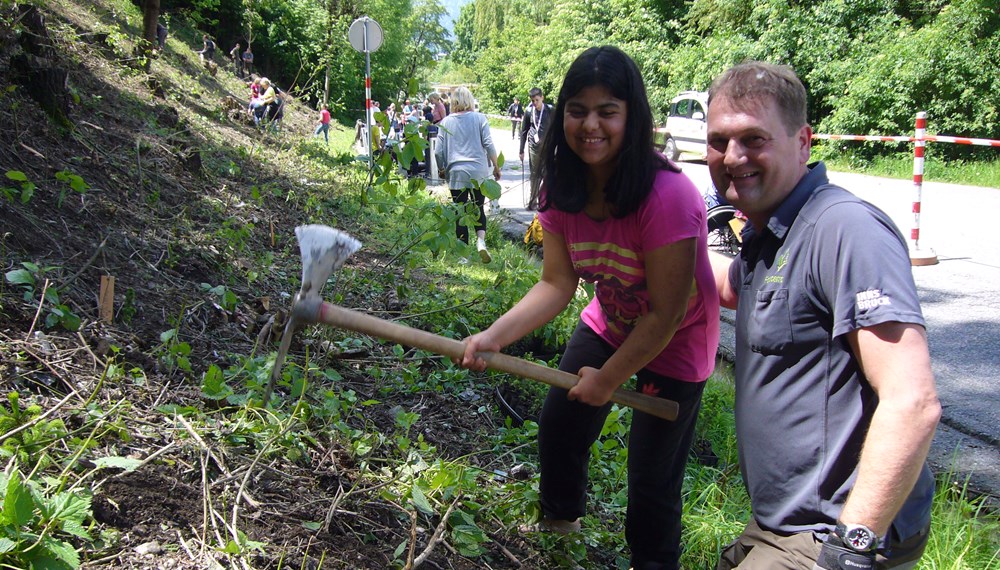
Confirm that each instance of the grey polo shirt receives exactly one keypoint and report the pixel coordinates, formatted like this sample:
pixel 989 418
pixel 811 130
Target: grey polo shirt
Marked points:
pixel 827 264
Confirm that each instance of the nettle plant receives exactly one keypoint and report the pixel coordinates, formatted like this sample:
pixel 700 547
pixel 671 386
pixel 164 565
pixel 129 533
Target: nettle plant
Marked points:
pixel 37 518
pixel 38 523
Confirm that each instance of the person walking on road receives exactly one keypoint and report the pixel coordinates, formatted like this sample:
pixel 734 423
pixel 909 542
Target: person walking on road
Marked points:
pixel 631 223
pixel 836 405
pixel 466 152
pixel 516 114
pixel 533 128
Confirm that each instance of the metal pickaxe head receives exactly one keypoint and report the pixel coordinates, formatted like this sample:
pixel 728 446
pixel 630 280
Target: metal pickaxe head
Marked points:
pixel 324 250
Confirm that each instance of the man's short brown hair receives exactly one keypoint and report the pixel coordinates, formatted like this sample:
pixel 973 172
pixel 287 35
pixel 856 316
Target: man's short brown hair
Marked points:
pixel 755 83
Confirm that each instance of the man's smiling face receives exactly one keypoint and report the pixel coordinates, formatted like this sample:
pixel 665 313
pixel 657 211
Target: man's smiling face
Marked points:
pixel 754 161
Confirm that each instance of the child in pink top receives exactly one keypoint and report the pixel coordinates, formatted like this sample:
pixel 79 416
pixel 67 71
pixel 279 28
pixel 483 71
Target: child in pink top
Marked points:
pixel 617 214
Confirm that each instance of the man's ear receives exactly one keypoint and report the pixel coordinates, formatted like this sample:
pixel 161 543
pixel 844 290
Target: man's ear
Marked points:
pixel 805 143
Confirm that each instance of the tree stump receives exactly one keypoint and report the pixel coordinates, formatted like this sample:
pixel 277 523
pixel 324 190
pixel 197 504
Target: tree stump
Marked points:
pixel 191 159
pixel 167 117
pixel 47 85
pixel 43 81
pixel 35 37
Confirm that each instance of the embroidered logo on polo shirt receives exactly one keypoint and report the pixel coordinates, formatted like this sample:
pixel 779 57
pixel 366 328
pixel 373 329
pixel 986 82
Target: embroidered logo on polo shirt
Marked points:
pixel 782 261
pixel 871 298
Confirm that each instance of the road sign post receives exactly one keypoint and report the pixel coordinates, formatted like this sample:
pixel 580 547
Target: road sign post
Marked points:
pixel 365 35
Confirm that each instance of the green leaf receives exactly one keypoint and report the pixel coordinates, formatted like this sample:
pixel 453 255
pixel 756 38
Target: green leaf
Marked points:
pixel 213 384
pixel 77 183
pixel 420 500
pixel 6 544
pixel 76 529
pixel 231 547
pixel 62 552
pixel 69 320
pixel 18 507
pixel 172 409
pixel 129 464
pixel 310 525
pixel 17 176
pixel 20 277
pixel 52 296
pixel 167 336
pixel 66 506
pixel 491 189
pixel 27 191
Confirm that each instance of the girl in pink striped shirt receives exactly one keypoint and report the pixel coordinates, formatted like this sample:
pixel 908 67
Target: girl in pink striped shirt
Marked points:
pixel 617 214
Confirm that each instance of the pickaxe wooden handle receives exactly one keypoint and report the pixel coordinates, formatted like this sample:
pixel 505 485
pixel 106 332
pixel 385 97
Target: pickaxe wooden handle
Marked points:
pixel 334 315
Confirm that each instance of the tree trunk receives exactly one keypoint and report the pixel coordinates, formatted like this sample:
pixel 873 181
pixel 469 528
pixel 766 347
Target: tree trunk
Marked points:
pixel 331 8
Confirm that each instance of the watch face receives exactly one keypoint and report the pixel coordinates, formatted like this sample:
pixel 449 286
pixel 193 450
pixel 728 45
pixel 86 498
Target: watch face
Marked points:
pixel 859 538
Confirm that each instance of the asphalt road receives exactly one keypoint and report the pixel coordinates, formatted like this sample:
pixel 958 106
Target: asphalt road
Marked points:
pixel 959 296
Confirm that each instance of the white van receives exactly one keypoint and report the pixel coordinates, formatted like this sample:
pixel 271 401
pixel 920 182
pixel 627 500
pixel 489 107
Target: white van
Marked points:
pixel 687 125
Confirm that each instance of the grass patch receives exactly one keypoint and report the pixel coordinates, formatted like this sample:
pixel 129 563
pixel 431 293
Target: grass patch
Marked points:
pixel 973 173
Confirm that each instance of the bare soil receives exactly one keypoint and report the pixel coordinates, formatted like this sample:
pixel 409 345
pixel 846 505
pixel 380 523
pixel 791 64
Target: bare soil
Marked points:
pixel 171 205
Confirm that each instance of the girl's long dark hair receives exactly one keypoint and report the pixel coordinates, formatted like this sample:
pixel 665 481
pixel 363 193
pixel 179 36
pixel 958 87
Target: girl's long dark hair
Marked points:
pixel 564 175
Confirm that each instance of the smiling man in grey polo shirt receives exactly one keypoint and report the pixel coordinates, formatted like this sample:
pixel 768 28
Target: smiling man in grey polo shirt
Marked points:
pixel 835 401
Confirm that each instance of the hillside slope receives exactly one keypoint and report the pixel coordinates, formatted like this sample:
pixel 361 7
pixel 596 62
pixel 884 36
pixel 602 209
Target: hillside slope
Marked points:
pixel 157 180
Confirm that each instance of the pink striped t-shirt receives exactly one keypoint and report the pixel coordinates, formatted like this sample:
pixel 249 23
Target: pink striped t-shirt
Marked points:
pixel 611 254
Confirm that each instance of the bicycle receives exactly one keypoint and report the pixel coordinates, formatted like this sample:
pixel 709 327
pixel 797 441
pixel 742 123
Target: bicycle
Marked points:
pixel 724 224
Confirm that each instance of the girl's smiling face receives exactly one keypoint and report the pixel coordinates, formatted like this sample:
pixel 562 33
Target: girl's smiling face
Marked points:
pixel 594 125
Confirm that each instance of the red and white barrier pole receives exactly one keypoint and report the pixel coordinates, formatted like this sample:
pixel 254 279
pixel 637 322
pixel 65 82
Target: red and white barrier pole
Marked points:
pixel 368 114
pixel 918 256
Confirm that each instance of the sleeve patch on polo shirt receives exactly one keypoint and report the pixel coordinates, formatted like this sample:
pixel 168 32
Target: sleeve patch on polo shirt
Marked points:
pixel 871 298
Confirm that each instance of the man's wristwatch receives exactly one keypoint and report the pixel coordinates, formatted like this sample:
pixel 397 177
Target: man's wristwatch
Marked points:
pixel 856 537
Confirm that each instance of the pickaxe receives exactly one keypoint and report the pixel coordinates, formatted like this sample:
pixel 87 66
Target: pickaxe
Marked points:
pixel 325 250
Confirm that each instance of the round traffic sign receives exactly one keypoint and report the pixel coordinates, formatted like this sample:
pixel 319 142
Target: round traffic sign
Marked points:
pixel 365 35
